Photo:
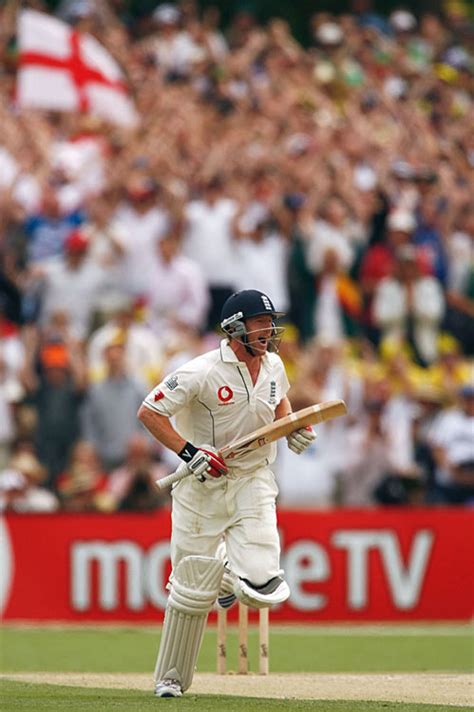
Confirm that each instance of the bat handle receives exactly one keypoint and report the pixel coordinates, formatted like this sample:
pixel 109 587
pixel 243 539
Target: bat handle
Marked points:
pixel 180 473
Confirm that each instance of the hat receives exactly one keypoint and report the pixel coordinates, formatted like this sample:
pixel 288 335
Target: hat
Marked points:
pixel 401 221
pixel 167 14
pixel 402 21
pixel 27 464
pixel 54 355
pixel 76 242
pixel 329 33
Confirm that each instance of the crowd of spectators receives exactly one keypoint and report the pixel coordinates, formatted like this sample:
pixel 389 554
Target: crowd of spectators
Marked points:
pixel 337 178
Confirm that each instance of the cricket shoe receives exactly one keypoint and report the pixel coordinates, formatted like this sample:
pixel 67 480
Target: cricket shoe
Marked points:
pixel 227 597
pixel 168 688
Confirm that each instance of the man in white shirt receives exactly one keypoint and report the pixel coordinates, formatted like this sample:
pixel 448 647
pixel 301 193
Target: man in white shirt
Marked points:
pixel 209 241
pixel 410 306
pixel 452 440
pixel 178 294
pixel 217 397
pixel 142 221
pixel 73 285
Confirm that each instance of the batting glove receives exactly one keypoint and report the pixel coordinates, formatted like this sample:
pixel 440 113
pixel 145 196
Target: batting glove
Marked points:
pixel 300 439
pixel 203 462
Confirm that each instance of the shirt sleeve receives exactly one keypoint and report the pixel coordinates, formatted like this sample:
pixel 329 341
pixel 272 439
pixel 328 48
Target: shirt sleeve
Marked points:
pixel 175 392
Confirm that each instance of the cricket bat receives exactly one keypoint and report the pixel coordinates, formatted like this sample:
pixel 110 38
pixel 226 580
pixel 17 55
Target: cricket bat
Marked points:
pixel 312 415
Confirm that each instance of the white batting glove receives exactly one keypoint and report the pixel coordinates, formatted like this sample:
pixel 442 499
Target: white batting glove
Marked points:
pixel 300 439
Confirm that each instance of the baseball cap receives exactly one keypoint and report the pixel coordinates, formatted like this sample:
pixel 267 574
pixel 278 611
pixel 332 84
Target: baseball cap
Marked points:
pixel 167 14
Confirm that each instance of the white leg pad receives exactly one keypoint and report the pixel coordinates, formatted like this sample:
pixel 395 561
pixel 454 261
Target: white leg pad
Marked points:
pixel 194 589
pixel 277 591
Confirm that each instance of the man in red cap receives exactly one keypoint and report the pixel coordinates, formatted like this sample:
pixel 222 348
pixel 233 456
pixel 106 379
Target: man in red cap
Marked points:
pixel 72 285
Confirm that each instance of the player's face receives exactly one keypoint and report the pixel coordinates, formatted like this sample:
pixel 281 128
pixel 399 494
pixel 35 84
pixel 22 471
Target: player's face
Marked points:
pixel 259 332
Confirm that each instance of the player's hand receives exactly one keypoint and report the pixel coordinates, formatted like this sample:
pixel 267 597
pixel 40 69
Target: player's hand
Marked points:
pixel 205 462
pixel 216 466
pixel 300 439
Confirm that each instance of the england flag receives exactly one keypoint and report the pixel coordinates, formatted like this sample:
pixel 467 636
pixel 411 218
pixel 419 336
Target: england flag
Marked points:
pixel 61 69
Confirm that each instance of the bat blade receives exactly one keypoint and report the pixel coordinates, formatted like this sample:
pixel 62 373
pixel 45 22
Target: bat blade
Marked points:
pixel 312 415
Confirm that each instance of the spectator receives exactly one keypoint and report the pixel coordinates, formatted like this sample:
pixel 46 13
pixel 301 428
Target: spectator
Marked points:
pixel 143 350
pixel 48 229
pixel 210 231
pixel 453 451
pixel 428 238
pixel 142 221
pixel 371 474
pixel 410 307
pixel 132 487
pixel 75 284
pixel 178 295
pixel 21 487
pixel 174 49
pixel 110 408
pixel 81 484
pixel 261 262
pixel 379 260
pixel 338 309
pixel 56 389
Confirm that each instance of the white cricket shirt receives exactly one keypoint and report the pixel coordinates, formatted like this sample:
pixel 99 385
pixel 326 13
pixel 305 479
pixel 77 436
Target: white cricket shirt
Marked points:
pixel 215 401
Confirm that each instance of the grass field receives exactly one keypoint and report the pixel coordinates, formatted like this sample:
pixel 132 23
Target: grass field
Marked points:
pixel 121 655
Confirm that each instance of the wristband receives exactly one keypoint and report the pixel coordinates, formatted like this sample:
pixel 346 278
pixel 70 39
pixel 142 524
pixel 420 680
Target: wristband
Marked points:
pixel 188 452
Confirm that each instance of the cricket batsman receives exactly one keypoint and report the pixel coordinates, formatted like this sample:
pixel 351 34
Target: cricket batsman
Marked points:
pixel 217 397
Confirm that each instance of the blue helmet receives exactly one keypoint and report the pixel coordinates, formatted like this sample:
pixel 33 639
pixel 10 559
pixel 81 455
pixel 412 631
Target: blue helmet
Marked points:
pixel 245 305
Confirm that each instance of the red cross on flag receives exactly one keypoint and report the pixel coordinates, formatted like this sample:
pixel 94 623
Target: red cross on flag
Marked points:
pixel 64 70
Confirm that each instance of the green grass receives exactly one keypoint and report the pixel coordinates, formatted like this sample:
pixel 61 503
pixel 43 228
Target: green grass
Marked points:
pixel 446 648
pixel 23 697
pixel 295 649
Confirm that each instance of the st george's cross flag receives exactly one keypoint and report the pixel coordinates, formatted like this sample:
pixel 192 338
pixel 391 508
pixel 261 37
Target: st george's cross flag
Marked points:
pixel 61 69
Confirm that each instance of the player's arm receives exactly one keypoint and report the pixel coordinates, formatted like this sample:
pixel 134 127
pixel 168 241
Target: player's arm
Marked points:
pixel 299 439
pixel 161 429
pixel 201 461
pixel 283 408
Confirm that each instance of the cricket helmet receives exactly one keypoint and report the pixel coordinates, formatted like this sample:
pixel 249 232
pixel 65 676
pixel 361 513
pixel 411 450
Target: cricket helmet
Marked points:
pixel 244 305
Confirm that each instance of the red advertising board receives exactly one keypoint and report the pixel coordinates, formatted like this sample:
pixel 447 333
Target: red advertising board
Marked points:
pixel 343 565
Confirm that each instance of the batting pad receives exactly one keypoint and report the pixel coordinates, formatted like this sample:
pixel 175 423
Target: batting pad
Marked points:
pixel 195 585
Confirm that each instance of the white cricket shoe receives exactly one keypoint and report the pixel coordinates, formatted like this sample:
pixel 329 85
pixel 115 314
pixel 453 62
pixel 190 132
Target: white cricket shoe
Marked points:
pixel 274 591
pixel 168 688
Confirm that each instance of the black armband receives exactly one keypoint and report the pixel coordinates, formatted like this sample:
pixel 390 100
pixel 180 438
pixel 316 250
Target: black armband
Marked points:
pixel 188 452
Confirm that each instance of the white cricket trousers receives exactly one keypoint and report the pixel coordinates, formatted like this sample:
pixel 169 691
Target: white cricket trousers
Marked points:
pixel 239 508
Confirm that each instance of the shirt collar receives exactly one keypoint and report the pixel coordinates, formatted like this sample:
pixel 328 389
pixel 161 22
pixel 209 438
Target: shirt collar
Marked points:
pixel 228 355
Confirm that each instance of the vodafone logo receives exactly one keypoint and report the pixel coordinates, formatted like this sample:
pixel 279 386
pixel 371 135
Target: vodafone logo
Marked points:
pixel 225 394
